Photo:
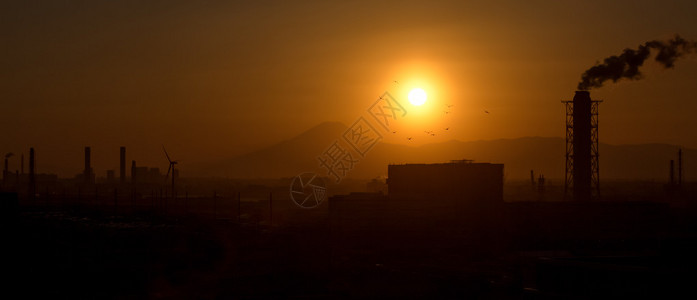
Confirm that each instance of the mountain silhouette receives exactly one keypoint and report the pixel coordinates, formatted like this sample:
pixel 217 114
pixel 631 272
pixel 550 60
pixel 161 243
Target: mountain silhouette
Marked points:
pixel 285 159
pixel 544 155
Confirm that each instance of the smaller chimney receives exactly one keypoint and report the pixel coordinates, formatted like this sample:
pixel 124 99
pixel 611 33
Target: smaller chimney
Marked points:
pixel 32 179
pixel 122 165
pixel 31 163
pixel 680 167
pixel 133 171
pixel 88 165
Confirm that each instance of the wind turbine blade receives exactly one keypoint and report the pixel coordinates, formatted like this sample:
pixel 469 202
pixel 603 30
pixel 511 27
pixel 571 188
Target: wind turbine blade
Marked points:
pixel 168 170
pixel 163 148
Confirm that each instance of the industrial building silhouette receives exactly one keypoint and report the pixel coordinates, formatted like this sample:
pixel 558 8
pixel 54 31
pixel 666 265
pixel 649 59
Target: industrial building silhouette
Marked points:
pixel 432 203
pixel 464 180
pixel 451 215
pixel 458 183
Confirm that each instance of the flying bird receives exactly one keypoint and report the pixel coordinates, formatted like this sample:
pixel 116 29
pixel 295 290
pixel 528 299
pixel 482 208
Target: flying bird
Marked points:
pixel 486 111
pixel 446 128
pixel 409 138
pixel 394 132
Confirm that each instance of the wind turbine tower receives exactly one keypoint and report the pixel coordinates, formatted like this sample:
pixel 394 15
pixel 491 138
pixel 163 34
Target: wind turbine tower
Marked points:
pixel 170 169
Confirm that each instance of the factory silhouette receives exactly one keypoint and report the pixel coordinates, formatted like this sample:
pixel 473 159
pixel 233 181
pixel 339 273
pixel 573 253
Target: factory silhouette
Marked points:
pixel 348 150
pixel 26 184
pixel 445 230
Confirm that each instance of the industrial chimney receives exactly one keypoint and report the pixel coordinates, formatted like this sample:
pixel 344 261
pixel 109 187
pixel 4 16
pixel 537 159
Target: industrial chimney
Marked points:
pixel 680 167
pixel 88 165
pixel 122 164
pixel 32 178
pixel 582 172
pixel 133 171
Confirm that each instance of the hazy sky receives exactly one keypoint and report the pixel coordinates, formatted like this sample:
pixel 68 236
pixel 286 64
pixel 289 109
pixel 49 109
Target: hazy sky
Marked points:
pixel 212 79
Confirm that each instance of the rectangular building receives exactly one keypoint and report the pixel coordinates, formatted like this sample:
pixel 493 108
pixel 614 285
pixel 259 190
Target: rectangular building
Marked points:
pixel 462 180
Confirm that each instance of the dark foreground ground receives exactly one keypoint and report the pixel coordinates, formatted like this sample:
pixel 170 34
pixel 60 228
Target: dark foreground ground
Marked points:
pixel 520 251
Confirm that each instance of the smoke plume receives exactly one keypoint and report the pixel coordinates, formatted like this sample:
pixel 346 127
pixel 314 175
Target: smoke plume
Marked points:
pixel 627 64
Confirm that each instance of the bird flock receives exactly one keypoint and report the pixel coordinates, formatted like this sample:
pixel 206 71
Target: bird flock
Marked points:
pixel 448 108
pixel 447 111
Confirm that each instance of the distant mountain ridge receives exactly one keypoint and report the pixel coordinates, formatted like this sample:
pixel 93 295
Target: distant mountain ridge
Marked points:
pixel 544 155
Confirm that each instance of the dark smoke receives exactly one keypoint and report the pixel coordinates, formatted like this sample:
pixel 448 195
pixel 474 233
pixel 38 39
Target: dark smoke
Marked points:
pixel 627 64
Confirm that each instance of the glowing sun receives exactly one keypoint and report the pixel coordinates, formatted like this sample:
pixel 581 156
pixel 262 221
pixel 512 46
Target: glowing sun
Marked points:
pixel 417 96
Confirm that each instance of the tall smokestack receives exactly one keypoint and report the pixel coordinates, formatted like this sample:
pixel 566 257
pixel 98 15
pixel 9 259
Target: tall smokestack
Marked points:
pixel 133 171
pixel 582 146
pixel 680 167
pixel 88 165
pixel 6 171
pixel 122 164
pixel 32 179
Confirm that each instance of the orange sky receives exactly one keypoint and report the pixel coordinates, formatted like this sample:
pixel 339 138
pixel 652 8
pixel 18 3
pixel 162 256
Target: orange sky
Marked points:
pixel 213 79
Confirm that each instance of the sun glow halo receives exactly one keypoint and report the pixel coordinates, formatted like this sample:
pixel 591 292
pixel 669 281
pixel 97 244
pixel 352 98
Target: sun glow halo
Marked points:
pixel 417 96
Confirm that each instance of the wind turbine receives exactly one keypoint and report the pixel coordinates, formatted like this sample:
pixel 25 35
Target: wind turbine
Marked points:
pixel 170 169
